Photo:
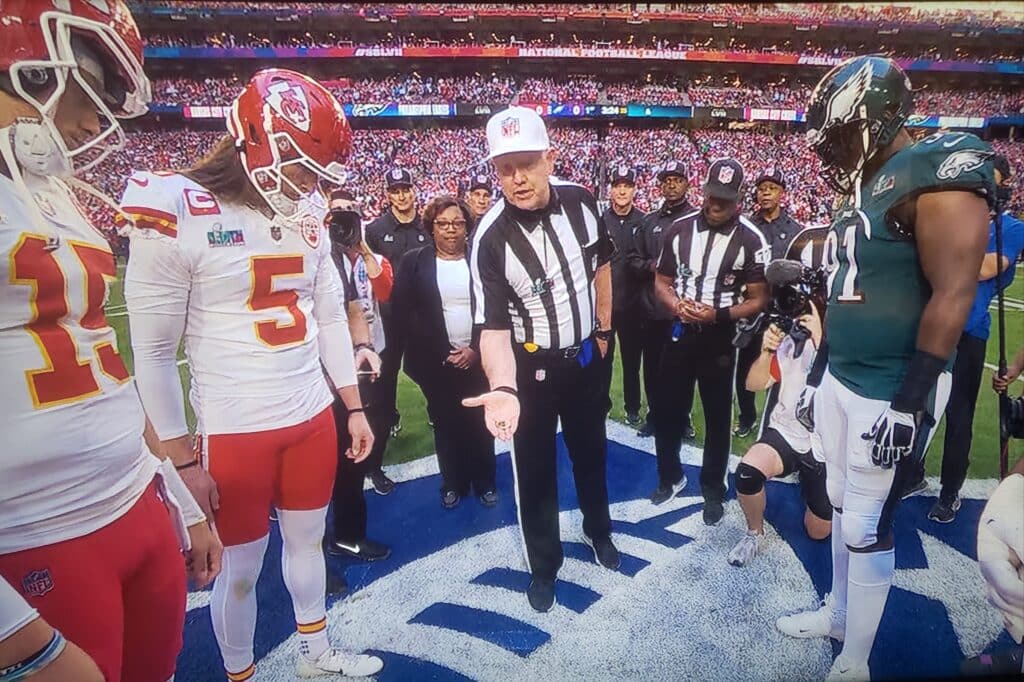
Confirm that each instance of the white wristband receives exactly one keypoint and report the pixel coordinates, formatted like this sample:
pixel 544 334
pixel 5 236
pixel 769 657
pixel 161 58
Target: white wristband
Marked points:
pixel 185 511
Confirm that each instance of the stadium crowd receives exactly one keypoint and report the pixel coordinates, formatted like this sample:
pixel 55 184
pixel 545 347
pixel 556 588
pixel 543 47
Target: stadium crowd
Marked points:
pixel 981 17
pixel 495 89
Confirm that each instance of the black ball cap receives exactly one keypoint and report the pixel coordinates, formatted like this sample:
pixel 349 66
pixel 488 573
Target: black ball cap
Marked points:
pixel 676 168
pixel 772 175
pixel 624 174
pixel 724 180
pixel 480 181
pixel 398 177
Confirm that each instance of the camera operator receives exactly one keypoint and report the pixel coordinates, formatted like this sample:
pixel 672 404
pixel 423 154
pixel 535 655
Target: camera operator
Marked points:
pixel 779 230
pixel 368 280
pixel 790 341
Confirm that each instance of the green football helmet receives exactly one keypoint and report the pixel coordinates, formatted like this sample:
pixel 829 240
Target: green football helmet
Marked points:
pixel 857 109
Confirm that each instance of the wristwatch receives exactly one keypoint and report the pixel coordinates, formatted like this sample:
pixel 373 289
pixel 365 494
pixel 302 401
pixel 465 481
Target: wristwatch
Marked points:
pixel 603 334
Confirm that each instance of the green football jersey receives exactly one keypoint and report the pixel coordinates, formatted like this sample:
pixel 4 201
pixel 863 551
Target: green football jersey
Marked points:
pixel 877 290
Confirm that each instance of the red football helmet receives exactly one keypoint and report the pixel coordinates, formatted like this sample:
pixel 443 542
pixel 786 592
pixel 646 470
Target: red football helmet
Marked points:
pixel 284 119
pixel 46 43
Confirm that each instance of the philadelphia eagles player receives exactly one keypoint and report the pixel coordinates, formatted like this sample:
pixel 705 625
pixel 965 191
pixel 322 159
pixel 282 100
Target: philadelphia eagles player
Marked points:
pixel 904 250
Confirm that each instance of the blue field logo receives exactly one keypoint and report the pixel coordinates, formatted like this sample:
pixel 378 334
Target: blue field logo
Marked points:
pixel 450 602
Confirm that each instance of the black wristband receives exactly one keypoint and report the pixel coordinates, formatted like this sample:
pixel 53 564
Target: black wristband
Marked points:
pixel 182 467
pixel 603 334
pixel 353 410
pixel 922 373
pixel 722 316
pixel 359 346
pixel 506 389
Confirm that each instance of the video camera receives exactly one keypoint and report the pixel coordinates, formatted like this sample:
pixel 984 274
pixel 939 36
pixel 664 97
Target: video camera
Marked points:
pixel 344 226
pixel 792 285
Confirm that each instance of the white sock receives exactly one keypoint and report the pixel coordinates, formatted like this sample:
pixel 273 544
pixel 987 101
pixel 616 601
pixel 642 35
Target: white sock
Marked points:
pixel 870 578
pixel 840 563
pixel 305 575
pixel 233 606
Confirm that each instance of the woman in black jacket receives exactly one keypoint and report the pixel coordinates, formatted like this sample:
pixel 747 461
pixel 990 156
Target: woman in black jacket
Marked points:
pixel 431 303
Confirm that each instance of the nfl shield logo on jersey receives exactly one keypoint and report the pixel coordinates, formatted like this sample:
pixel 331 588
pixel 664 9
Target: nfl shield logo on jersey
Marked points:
pixel 37 583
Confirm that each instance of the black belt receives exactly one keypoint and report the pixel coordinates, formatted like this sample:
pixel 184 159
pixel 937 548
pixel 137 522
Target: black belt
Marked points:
pixel 533 351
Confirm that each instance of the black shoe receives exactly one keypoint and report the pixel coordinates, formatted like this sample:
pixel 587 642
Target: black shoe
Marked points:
pixel 743 430
pixel 944 512
pixel 664 492
pixel 488 498
pixel 336 585
pixel 382 485
pixel 646 431
pixel 364 550
pixel 397 426
pixel 689 433
pixel 998 663
pixel 713 512
pixel 633 418
pixel 541 594
pixel 914 488
pixel 450 499
pixel 604 552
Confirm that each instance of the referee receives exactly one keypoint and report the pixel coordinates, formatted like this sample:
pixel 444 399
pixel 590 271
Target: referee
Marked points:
pixel 542 295
pixel 779 230
pixel 706 260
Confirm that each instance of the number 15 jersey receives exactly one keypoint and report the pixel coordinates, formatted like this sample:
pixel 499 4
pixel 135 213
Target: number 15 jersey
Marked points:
pixel 250 297
pixel 73 458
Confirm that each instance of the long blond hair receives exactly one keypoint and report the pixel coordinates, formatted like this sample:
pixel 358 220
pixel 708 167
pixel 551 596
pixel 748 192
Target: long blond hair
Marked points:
pixel 221 171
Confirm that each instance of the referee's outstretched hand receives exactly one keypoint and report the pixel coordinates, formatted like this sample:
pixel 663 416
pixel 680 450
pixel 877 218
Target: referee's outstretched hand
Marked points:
pixel 501 412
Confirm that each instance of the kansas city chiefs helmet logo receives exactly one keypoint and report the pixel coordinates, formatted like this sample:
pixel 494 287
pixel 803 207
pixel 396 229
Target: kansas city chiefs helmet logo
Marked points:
pixel 289 101
pixel 960 162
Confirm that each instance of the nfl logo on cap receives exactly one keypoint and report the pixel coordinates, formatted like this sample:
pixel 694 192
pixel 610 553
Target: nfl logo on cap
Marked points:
pixel 510 127
pixel 396 174
pixel 725 174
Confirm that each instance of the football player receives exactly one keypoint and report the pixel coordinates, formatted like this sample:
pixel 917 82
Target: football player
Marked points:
pixel 231 254
pixel 904 251
pixel 784 445
pixel 86 530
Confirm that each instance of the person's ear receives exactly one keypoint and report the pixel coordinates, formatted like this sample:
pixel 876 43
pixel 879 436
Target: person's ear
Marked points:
pixel 550 156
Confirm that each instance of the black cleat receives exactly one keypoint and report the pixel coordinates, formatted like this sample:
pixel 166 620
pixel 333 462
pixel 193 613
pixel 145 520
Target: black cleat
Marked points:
pixel 336 585
pixel 541 594
pixel 743 430
pixel 604 552
pixel 633 418
pixel 665 492
pixel 689 433
pixel 646 431
pixel 914 489
pixel 944 512
pixel 450 499
pixel 713 512
pixel 488 498
pixel 382 485
pixel 364 550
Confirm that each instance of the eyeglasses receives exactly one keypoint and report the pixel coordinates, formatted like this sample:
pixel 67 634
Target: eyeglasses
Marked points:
pixel 444 224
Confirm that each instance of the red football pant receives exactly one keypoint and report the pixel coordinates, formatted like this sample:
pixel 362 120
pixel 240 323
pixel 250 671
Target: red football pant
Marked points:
pixel 119 592
pixel 292 468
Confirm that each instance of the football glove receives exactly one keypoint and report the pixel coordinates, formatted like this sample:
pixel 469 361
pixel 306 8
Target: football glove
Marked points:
pixel 805 408
pixel 1000 551
pixel 893 437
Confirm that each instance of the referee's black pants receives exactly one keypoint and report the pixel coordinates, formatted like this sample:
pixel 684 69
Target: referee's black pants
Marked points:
pixel 348 505
pixel 629 328
pixel 549 389
pixel 745 358
pixel 656 337
pixel 963 397
pixel 705 356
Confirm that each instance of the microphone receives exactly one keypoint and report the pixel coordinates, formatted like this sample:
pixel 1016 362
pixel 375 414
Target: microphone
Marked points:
pixel 781 272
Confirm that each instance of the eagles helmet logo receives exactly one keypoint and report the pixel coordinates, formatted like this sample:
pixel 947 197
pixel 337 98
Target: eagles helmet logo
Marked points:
pixel 960 162
pixel 844 103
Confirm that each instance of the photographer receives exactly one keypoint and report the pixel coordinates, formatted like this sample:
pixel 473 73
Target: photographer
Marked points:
pixel 368 279
pixel 784 446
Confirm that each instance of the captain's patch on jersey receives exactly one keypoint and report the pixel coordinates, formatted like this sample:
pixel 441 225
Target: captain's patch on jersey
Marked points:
pixel 200 202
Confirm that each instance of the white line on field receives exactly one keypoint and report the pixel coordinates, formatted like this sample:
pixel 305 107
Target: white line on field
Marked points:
pixel 995 367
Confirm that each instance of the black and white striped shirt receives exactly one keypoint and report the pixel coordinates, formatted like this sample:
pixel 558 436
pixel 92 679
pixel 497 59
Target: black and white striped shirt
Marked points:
pixel 711 265
pixel 533 271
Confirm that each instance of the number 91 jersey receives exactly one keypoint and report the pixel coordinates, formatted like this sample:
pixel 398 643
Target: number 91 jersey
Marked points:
pixel 243 290
pixel 877 291
pixel 73 460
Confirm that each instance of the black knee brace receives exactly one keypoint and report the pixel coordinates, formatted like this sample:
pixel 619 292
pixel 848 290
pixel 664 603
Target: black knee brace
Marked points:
pixel 749 480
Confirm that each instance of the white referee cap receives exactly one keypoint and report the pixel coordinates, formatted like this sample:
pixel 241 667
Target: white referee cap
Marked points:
pixel 516 129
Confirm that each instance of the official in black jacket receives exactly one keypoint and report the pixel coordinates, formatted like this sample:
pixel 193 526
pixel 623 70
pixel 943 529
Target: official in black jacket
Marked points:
pixel 396 232
pixel 628 277
pixel 431 308
pixel 673 185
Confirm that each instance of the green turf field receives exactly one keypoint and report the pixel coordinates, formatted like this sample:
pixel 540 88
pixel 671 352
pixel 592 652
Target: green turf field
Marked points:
pixel 416 439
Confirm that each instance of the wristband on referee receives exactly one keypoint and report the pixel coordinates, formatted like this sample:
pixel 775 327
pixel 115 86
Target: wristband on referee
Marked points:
pixel 187 465
pixel 722 316
pixel 918 382
pixel 359 346
pixel 353 410
pixel 506 389
pixel 37 661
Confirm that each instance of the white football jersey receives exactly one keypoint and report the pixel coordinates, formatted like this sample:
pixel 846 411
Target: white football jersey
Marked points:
pixel 791 374
pixel 249 296
pixel 73 459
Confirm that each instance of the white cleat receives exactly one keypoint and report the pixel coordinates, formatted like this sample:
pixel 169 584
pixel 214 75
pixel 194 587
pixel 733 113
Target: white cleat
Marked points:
pixel 842 671
pixel 746 549
pixel 338 662
pixel 822 622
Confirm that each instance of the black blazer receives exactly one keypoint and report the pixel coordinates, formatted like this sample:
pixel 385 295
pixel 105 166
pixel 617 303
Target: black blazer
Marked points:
pixel 418 315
